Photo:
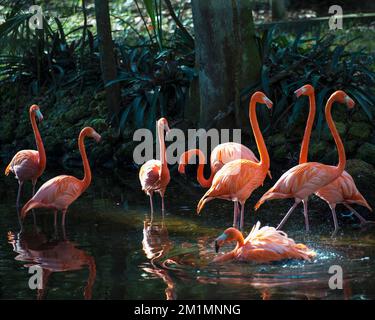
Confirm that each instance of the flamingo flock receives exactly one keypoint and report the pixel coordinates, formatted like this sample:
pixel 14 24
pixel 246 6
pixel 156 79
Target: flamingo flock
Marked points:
pixel 235 173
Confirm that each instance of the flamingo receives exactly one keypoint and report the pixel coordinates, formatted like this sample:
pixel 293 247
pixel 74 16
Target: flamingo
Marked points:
pixel 60 192
pixel 262 245
pixel 306 178
pixel 342 190
pixel 154 174
pixel 220 155
pixel 29 164
pixel 237 179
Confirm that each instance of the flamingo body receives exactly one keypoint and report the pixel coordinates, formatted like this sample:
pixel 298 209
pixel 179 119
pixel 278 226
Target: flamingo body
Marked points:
pixel 60 192
pixel 24 165
pixel 151 178
pixel 262 245
pixel 342 190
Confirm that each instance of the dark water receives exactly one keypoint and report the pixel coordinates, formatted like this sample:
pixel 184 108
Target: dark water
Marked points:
pixel 112 251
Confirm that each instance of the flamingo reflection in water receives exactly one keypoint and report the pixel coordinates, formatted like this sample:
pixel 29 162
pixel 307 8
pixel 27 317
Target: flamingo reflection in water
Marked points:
pixel 52 256
pixel 156 244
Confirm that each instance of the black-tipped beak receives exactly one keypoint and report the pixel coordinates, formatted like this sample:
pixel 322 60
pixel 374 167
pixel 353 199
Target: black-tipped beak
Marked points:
pixel 217 246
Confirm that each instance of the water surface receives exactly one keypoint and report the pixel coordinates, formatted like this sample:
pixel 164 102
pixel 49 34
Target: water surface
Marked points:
pixel 112 250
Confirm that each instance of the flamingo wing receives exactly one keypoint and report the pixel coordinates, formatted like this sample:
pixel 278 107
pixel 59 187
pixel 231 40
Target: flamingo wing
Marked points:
pixel 149 176
pixel 342 190
pixel 24 165
pixel 57 193
pixel 299 182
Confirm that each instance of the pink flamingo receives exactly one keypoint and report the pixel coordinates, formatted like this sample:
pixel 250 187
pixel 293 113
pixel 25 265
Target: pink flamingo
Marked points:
pixel 305 179
pixel 342 190
pixel 154 174
pixel 29 164
pixel 262 245
pixel 60 192
pixel 236 180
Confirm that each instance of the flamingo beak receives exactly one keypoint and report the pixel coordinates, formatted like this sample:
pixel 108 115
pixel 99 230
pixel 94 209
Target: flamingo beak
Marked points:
pixel 349 102
pixel 220 241
pixel 268 102
pixel 299 92
pixel 97 137
pixel 39 115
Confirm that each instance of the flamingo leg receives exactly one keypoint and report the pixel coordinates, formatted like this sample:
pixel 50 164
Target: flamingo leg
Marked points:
pixel 20 184
pixel 242 216
pixel 361 219
pixel 235 215
pixel 63 218
pixel 287 215
pixel 162 204
pixel 55 221
pixel 334 219
pixel 305 213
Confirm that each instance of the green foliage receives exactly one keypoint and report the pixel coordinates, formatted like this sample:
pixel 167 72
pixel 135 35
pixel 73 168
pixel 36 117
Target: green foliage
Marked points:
pixel 321 60
pixel 154 84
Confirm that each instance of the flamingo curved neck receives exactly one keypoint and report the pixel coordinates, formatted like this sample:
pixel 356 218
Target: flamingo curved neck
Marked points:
pixel 239 238
pixel 39 144
pixel 306 137
pixel 264 157
pixel 205 183
pixel 332 127
pixel 86 165
pixel 163 157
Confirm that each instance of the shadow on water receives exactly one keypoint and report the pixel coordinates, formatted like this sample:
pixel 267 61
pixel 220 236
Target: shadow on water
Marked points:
pixel 112 250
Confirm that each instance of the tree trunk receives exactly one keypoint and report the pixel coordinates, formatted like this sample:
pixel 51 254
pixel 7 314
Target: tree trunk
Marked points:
pixel 278 9
pixel 227 56
pixel 107 58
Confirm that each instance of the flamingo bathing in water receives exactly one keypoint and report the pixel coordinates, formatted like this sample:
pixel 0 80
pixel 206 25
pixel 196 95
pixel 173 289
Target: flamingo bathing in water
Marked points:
pixel 29 164
pixel 342 190
pixel 305 179
pixel 154 174
pixel 262 245
pixel 236 180
pixel 60 192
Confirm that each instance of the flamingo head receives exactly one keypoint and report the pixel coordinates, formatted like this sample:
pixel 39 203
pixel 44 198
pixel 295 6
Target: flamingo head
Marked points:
pixel 184 160
pixel 305 90
pixel 90 132
pixel 36 110
pixel 229 235
pixel 343 98
pixel 163 123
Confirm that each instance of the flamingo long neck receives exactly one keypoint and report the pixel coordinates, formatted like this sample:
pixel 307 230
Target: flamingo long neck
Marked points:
pixel 163 157
pixel 306 138
pixel 264 157
pixel 239 238
pixel 39 144
pixel 86 165
pixel 340 147
pixel 205 183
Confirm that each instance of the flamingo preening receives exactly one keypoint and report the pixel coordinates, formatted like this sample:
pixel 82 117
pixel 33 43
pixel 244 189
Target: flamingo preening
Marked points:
pixel 154 174
pixel 29 164
pixel 262 245
pixel 342 190
pixel 60 192
pixel 236 180
pixel 306 178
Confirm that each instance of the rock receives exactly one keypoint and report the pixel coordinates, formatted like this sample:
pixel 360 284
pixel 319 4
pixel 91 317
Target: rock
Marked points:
pixel 351 146
pixel 360 130
pixel 363 174
pixel 366 152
